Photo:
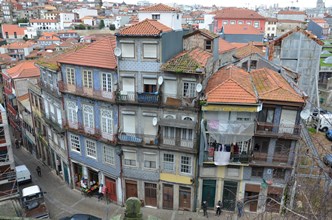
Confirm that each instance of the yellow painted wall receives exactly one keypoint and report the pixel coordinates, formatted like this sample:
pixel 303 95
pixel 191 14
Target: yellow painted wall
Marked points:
pixel 169 177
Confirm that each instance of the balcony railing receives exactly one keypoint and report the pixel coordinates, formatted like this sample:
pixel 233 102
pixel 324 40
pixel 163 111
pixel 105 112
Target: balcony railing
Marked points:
pixel 278 130
pixel 82 91
pixel 220 158
pixel 176 141
pixel 174 100
pixel 55 125
pixel 4 157
pixel 148 97
pixel 138 138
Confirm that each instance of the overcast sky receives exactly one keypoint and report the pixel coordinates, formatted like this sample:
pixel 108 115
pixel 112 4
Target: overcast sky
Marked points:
pixel 241 3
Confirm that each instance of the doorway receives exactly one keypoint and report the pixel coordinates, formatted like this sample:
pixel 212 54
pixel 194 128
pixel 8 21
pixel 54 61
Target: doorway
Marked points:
pixel 229 195
pixel 111 189
pixel 209 191
pixel 150 194
pixel 185 198
pixel 167 196
pixel 131 189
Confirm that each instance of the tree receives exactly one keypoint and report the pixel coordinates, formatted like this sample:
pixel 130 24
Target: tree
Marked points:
pixel 112 27
pixel 101 24
pixel 80 27
pixel 22 20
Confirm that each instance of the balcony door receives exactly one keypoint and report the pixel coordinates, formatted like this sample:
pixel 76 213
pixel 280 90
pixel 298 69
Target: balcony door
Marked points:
pixel 128 85
pixel 106 80
pixel 287 121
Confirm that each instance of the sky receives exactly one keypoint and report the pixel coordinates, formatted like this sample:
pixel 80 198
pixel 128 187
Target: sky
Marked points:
pixel 241 3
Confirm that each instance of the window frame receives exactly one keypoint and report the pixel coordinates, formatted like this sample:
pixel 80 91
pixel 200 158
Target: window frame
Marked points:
pixel 150 57
pixel 74 146
pixel 155 16
pixel 187 165
pixel 92 153
pixel 108 155
pixel 171 163
pixel 70 75
pixel 124 55
pixel 146 154
pixel 190 91
pixel 108 128
pixel 87 79
pixel 88 117
pixel 131 161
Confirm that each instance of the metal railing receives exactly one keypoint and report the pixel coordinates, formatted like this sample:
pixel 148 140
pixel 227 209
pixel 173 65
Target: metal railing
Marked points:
pixel 138 138
pixel 243 158
pixel 281 129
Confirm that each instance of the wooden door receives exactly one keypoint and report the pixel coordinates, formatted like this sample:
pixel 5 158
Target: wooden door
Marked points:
pixel 111 189
pixel 131 189
pixel 150 194
pixel 168 196
pixel 185 198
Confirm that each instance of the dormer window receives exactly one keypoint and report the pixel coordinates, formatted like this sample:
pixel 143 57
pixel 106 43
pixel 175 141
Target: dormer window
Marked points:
pixel 156 16
pixel 208 45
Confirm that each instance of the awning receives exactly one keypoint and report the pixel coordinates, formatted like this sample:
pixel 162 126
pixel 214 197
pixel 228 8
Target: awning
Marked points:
pixel 177 123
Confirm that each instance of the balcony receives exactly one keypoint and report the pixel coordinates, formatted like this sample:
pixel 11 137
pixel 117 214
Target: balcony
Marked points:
pixel 138 138
pixel 282 130
pixel 59 128
pixel 86 92
pixel 148 97
pixel 172 100
pixel 49 89
pixel 177 143
pixel 220 158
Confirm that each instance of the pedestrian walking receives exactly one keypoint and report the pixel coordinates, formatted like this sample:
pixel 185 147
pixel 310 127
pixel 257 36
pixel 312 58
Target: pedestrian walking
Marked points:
pixel 239 206
pixel 219 206
pixel 204 207
pixel 38 169
pixel 20 142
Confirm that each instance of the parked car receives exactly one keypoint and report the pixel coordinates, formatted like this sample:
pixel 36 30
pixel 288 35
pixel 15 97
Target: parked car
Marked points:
pixel 81 217
pixel 329 134
pixel 327 159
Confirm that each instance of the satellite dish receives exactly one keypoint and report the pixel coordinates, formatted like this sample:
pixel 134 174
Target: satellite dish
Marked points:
pixel 160 80
pixel 199 87
pixel 117 51
pixel 154 121
pixel 305 114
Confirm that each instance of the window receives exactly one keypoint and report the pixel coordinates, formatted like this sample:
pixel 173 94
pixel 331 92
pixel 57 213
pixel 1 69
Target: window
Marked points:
pixel 261 145
pixel 7 35
pixel 279 173
pixel 186 164
pixel 169 132
pixel 240 22
pixel 107 82
pixel 88 116
pixel 249 22
pixel 189 89
pixel 156 16
pixel 129 158
pixel 232 22
pixel 266 115
pixel 150 161
pixel 87 78
pixel 128 50
pixel 256 24
pixel 208 45
pixel 243 116
pixel 150 85
pixel 225 22
pixel 257 171
pixel 253 64
pixel 283 147
pixel 72 112
pixel 91 148
pixel 70 73
pixel 108 154
pixel 15 35
pixel 187 134
pixel 168 162
pixel 106 121
pixel 150 51
pixel 75 143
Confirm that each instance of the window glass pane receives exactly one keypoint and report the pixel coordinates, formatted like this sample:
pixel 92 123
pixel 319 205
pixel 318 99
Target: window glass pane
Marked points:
pixel 150 50
pixel 128 50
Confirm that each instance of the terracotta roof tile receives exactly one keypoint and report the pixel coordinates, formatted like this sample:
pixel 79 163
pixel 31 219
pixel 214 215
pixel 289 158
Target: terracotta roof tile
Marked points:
pixel 225 46
pixel 238 13
pixel 19 45
pixel 98 54
pixel 146 27
pixel 49 36
pixel 25 69
pixel 247 50
pixel 241 29
pixel 230 85
pixel 271 86
pixel 187 61
pixel 159 8
pixel 204 32
pixel 11 28
pixel 42 21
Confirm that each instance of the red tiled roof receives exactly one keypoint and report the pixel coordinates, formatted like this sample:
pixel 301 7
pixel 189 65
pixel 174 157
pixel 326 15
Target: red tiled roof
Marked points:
pixel 271 86
pixel 230 85
pixel 187 61
pixel 159 8
pixel 241 29
pixel 49 36
pixel 99 54
pixel 11 28
pixel 239 45
pixel 25 69
pixel 19 45
pixel 146 27
pixel 203 32
pixel 225 46
pixel 23 97
pixel 247 50
pixel 42 21
pixel 5 58
pixel 291 12
pixel 237 13
pixel 318 20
